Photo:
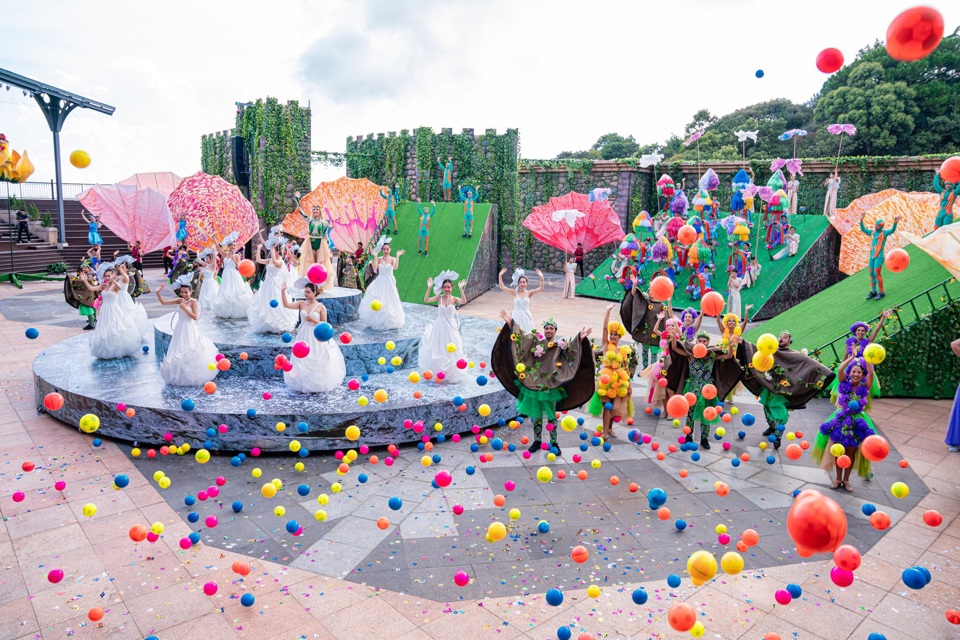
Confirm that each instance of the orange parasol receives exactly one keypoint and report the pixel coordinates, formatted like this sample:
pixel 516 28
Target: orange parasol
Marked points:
pixel 213 208
pixel 353 207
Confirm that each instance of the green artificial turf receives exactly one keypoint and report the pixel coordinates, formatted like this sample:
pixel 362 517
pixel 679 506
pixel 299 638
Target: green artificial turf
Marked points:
pixel 772 272
pixel 829 314
pixel 448 248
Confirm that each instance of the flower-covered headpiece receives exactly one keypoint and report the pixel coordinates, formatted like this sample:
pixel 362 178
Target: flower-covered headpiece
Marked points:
pixel 703 334
pixel 616 327
pixel 517 274
pixel 230 239
pixel 549 322
pixel 856 325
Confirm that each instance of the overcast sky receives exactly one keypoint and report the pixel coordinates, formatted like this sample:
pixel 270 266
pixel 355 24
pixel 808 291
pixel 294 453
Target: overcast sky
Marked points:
pixel 561 72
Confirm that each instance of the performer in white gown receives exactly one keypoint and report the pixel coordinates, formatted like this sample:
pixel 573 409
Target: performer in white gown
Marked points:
pixel 323 369
pixel 384 290
pixel 264 317
pixel 190 354
pixel 116 334
pixel 235 293
pixel 434 351
pixel 210 286
pixel 137 311
pixel 521 297
pixel 291 273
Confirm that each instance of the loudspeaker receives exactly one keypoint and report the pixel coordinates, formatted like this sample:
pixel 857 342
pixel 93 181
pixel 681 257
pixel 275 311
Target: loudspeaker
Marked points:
pixel 241 164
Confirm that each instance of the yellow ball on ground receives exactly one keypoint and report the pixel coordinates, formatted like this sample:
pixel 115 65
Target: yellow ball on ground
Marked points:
pixel 323 498
pixel 157 475
pixel 157 528
pixel 363 401
pixel 551 456
pixel 281 427
pixel 279 511
pixel 899 490
pixel 721 431
pixel 278 483
pixel 164 483
pixel 185 448
pixel 451 347
pixel 376 305
pixel 351 455
pixel 734 410
pixel 697 630
pixel 320 515
pixel 268 490
pixel 135 452
pixel 294 445
pixel 396 361
pixel 497 531
pixel 595 464
pixel 381 361
pixel 257 472
pixel 720 528
pixel 391 345
pixel 568 423
pixel 731 563
pixel 791 435
pixel 762 445
pixel 414 377
pixel 380 395
pixel 336 487
pixel 202 456
pixel 514 514
pixel 676 422
pixel 544 474
pixel 702 566
pixel 593 591
pixel 89 509
pixel 299 466
pixel 426 461
pixel 438 426
pixel 352 433
pixel 484 410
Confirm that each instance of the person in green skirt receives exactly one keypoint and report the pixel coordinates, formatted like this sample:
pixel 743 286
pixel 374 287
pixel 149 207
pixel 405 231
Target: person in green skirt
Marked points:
pixel 80 297
pixel 699 375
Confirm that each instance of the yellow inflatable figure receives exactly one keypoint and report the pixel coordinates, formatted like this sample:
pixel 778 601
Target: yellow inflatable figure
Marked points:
pixel 13 166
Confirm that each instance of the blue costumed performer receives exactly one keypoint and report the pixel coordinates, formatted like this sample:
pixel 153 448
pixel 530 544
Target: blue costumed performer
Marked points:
pixel 447 170
pixel 948 196
pixel 469 197
pixel 390 213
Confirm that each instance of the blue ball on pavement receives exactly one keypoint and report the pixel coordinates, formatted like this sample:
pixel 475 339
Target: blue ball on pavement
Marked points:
pixel 247 599
pixel 554 597
pixel 639 596
pixel 237 506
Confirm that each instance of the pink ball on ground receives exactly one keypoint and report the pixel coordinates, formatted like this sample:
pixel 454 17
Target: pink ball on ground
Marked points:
pixel 577 458
pixel 121 406
pixel 364 449
pixel 461 578
pixel 201 495
pixel 488 433
pixel 255 452
pixel 783 597
pixel 220 481
pixel 353 385
pixel 418 428
pixel 526 455
pixel 723 538
pixel 213 492
pixel 167 437
pixel 549 426
pixel 841 577
pixel 299 532
pixel 211 521
pixel 458 509
pixel 152 537
pixel 461 364
pixel 425 438
pixel 443 479
pixel 19 496
pixel 301 350
pixel 55 576
pixel 441 375
pixel 60 485
pixel 388 462
pixel 509 485
pixel 317 274
pixel 682 439
pixel 726 446
pixel 185 543
pixel 210 588
pixel 267 395
pixel 475 428
pixel 223 428
pixel 646 439
pixel 338 455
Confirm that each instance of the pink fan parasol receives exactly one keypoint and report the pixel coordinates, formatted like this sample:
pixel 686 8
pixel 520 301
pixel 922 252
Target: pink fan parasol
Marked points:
pixel 570 219
pixel 163 181
pixel 353 207
pixel 839 130
pixel 213 208
pixel 131 213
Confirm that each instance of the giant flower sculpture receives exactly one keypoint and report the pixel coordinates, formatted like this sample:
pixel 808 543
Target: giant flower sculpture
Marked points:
pixel 212 208
pixel 567 220
pixel 353 207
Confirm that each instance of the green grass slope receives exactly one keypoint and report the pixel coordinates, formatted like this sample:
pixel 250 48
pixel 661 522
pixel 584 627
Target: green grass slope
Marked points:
pixel 772 272
pixel 448 248
pixel 829 314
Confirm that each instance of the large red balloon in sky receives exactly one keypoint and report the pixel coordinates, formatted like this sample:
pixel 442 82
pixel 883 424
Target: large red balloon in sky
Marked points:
pixel 830 60
pixel 914 34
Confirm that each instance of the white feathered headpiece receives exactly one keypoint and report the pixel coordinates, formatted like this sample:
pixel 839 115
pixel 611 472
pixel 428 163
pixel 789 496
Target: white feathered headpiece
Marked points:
pixel 229 239
pixel 382 241
pixel 517 274
pixel 103 268
pixel 186 280
pixel 125 259
pixel 443 275
pixel 206 253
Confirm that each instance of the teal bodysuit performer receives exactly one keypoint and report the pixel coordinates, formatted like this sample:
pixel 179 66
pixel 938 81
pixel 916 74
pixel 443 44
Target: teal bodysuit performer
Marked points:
pixel 447 170
pixel 878 240
pixel 469 197
pixel 948 197
pixel 426 213
pixel 390 215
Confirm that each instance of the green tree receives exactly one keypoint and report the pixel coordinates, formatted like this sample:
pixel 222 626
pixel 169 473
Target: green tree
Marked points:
pixel 578 155
pixel 884 112
pixel 701 120
pixel 612 145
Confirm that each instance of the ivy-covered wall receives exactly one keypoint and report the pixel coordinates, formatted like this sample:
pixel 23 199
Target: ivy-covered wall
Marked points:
pixel 277 138
pixel 919 361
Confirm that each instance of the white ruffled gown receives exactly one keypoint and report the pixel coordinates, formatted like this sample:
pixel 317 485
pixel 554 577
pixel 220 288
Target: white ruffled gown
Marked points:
pixel 209 296
pixel 189 355
pixel 265 318
pixel 323 369
pixel 433 352
pixel 137 311
pixel 116 334
pixel 235 294
pixel 521 313
pixel 384 289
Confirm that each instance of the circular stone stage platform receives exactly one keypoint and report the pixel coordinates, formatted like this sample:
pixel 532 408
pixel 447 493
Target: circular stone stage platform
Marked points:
pixel 96 386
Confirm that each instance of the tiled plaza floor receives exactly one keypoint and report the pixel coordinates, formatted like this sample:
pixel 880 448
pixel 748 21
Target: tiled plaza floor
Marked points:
pixel 345 578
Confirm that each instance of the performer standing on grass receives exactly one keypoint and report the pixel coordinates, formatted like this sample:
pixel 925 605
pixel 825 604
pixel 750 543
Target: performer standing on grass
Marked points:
pixel 380 307
pixel 435 353
pixel 878 241
pixel 426 214
pixel 521 297
pixel 469 197
pixel 189 354
pixel 447 171
pixel 830 201
pixel 545 373
pixel 390 213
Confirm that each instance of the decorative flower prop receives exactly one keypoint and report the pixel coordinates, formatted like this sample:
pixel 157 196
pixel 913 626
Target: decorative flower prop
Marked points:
pixel 212 208
pixel 839 130
pixel 693 138
pixel 680 204
pixel 786 135
pixel 709 181
pixel 132 214
pixel 598 225
pixel 353 207
pixel 14 167
pixel 742 136
pixel 666 188
pixel 650 159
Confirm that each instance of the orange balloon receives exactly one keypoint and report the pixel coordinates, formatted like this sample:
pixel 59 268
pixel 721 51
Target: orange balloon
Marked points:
pixel 816 523
pixel 879 520
pixel 710 413
pixel 684 473
pixel 130 412
pixel 750 538
pixel 687 234
pixel 847 557
pixel 681 616
pixel 844 461
pixel 722 489
pixel 614 480
pixel 138 533
pixel 677 406
pixel 383 522
pixel 793 451
pixel 932 518
pixel 699 351
pixel 953 616
pixel 95 614
pixel 950 169
pixel 663 513
pixel 661 288
pixel 210 387
pixel 709 391
pixel 223 364
pixel 712 303
pixel 661 455
pixel 727 417
pixel 52 401
pixel 499 500
pixel 804 445
pixel 247 268
pixel 582 475
pixel 741 547
pixel 691 398
pixel 897 260
pixel 744 457
pixel 241 568
pixel 914 34
pixel 579 554
pixel 875 448
pixel 771 636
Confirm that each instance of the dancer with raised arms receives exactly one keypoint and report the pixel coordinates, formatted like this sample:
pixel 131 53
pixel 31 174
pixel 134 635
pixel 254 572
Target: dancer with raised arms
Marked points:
pixel 116 334
pixel 265 314
pixel 521 297
pixel 435 351
pixel 323 368
pixel 235 294
pixel 380 307
pixel 189 354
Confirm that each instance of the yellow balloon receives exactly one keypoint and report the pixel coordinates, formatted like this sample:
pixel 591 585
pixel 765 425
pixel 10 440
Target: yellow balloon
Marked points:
pixel 426 461
pixel 568 423
pixel 299 466
pixel 731 563
pixel 257 472
pixel 720 528
pixel 202 456
pixel 396 361
pixel 320 515
pixel 185 448
pixel 544 474
pixel 381 361
pixel 363 401
pixel 391 345
pixel 135 452
pixel 767 344
pixel 380 395
pixel 89 423
pixel 294 446
pixel 721 431
pixel 164 483
pixel 451 348
pixel 438 426
pixel 414 377
pixel 702 566
pixel 497 531
pixel 697 629
pixel 874 353
pixel 376 305
pixel 281 427
pixel 268 490
pixel 89 509
pixel 593 591
pixel 157 475
pixel 279 511
pixel 157 528
pixel 595 464
pixel 734 410
pixel 351 455
pixel 484 410
pixel 514 514
pixel 762 362
pixel 277 483
pixel 336 487
pixel 80 159
pixel 836 450
pixel 899 490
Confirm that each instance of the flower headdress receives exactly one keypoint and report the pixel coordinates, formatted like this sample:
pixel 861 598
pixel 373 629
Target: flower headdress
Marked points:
pixel 703 334
pixel 103 268
pixel 185 280
pixel 549 322
pixel 447 274
pixel 691 312
pixel 517 274
pixel 616 327
pixel 206 253
pixel 857 325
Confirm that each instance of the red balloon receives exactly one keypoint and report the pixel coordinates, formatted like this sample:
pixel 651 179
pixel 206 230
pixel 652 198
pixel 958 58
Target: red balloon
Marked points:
pixel 247 268
pixel 953 616
pixel 677 406
pixel 687 234
pixel 816 523
pixel 794 452
pixel 847 557
pixel 579 554
pixel 897 260
pixel 880 521
pixel 712 303
pixel 914 34
pixel 875 448
pixel 681 616
pixel 932 518
pixel 53 401
pixel 950 169
pixel 830 60
pixel 661 288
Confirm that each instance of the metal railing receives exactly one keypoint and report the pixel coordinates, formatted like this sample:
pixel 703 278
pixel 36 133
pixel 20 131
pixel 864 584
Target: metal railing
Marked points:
pixel 41 190
pixel 904 315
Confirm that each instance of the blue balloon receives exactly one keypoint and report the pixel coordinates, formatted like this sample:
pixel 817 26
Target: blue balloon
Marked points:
pixel 595 441
pixel 580 422
pixel 247 599
pixel 497 444
pixel 211 433
pixel 771 459
pixel 323 331
pixel 876 636
pixel 436 458
pixel 759 73
pixel 395 503
pixel 796 492
pixel 194 537
pixel 287 337
pixel 187 404
pixel 607 446
pixel 584 446
pixel 189 501
pixel 794 590
pixel 235 461
pixel 868 509
pixel 564 633
pixel 303 427
pixel 543 526
pixel 274 304
pixel 193 517
pixel 681 524
pixel 237 506
pixel 656 411
pixel 673 581
pixel 97 442
pixel 474 447
pixel 656 497
pixel 457 401
pixel 482 381
pixel 207 444
pixel 251 413
pixel 32 333
pixel 695 456
pixel 608 406
pixel 583 435
pixel 390 368
pixel 913 578
pixel 748 419
pixel 145 348
pixel 362 478
pixel 926 573
pixel 293 526
pixel 639 596
pixel 501 422
pixel 510 447
pixel 735 462
pixel 151 638
pixel 554 597
pixel 365 377
pixel 470 470
pixel 121 480
pixel 854 406
pixel 633 435
pixel 304 452
pixel 303 489
pixel 443 438
pixel 741 434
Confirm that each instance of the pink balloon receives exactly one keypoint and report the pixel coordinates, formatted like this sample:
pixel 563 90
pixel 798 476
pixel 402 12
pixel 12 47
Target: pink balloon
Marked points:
pixel 213 492
pixel 211 521
pixel 60 485
pixel 301 349
pixel 55 576
pixel 210 588
pixel 185 543
pixel 841 577
pixel 461 578
pixel 220 481
pixel 152 537
pixel 19 496
pixel 317 274
pixel 783 597
pixel 443 479
pixel 458 509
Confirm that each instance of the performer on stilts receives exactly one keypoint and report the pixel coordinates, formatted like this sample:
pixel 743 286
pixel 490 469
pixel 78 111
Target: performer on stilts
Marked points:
pixel 948 197
pixel 545 373
pixel 447 171
pixel 878 241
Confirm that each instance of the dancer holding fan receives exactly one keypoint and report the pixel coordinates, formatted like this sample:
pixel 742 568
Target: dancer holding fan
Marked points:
pixel 380 307
pixel 189 355
pixel 521 297
pixel 435 352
